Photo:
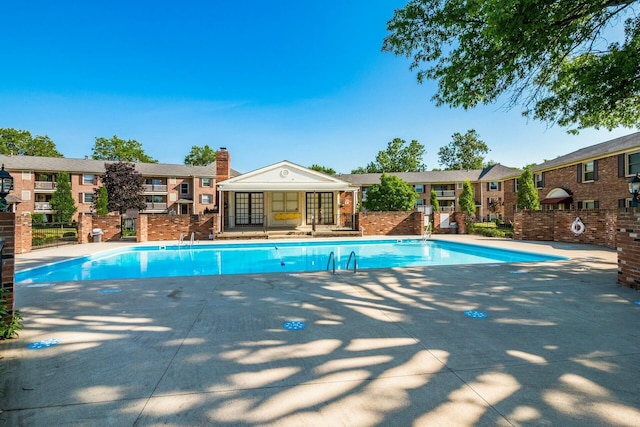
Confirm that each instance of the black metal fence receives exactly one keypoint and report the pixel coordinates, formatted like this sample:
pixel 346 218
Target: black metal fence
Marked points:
pixel 53 234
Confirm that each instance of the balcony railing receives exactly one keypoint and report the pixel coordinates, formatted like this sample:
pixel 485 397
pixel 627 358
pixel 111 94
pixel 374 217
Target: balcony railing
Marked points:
pixel 155 188
pixel 42 206
pixel 45 185
pixel 156 207
pixel 445 193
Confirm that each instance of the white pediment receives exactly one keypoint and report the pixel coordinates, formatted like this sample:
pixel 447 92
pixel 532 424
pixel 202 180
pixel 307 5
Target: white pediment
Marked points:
pixel 283 176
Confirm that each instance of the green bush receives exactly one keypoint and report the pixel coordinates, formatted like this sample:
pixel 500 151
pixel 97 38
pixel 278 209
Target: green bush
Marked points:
pixel 489 229
pixel 9 324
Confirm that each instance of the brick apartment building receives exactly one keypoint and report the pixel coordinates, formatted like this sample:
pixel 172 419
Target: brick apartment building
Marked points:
pixel 594 177
pixel 488 185
pixel 168 188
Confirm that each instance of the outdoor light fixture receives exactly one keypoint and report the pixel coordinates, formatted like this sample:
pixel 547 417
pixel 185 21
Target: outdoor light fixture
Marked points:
pixel 6 185
pixel 634 189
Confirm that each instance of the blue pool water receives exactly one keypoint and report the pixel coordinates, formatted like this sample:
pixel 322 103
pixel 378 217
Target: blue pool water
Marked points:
pixel 217 259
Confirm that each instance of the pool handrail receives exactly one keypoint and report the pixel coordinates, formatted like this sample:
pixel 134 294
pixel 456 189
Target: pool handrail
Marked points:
pixel 332 257
pixel 355 261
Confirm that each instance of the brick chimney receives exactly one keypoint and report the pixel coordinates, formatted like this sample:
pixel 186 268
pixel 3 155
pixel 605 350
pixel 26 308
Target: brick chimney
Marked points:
pixel 223 164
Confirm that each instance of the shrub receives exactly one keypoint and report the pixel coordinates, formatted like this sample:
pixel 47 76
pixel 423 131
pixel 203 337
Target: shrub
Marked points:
pixel 9 324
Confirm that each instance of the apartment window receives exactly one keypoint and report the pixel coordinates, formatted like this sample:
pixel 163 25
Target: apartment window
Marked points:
pixel 206 199
pixel 26 175
pixel 587 172
pixel 419 202
pixel 539 179
pixel 515 185
pixel 493 186
pixel 184 188
pixel 588 204
pixel 460 186
pixel 88 179
pixel 633 163
pixel 206 182
pixel 87 197
pixel 419 188
pixel 25 195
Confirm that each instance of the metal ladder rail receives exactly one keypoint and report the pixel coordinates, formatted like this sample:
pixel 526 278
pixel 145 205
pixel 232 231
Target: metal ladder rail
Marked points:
pixel 332 257
pixel 355 261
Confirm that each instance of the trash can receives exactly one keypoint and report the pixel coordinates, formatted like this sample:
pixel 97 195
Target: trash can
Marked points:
pixel 97 235
pixel 453 228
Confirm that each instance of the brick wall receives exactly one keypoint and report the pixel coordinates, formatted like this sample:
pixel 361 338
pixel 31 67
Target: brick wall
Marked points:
pixel 111 226
pixel 7 234
pixel 600 226
pixel 628 238
pixel 390 223
pixel 169 227
pixel 85 226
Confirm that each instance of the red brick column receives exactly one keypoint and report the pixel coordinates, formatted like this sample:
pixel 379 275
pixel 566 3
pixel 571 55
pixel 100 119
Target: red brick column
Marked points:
pixel 628 242
pixel 85 228
pixel 142 233
pixel 7 234
pixel 23 234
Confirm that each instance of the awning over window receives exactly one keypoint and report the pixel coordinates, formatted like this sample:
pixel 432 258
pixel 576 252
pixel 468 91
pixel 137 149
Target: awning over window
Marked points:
pixel 556 200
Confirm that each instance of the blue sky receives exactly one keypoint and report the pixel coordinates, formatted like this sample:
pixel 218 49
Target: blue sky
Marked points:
pixel 271 81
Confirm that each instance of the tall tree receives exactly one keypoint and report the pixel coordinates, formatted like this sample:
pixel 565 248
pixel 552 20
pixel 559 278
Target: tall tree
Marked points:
pixel 62 201
pixel 433 199
pixel 102 201
pixel 21 143
pixel 323 169
pixel 200 156
pixel 561 60
pixel 463 152
pixel 527 196
pixel 466 199
pixel 120 150
pixel 398 157
pixel 392 194
pixel 124 186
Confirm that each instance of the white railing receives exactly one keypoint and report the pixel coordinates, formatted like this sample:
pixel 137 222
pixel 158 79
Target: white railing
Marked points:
pixel 151 188
pixel 42 206
pixel 156 206
pixel 446 193
pixel 45 185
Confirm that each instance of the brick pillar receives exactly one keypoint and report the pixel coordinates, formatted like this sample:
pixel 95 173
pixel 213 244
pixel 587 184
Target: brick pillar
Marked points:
pixel 142 222
pixel 628 242
pixel 7 235
pixel 461 219
pixel 85 228
pixel 23 234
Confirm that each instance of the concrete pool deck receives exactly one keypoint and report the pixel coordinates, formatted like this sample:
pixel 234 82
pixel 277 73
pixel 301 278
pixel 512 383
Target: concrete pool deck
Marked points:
pixel 559 346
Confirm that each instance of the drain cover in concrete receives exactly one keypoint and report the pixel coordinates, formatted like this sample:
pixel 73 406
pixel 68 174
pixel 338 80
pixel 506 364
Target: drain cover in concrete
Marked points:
pixel 294 325
pixel 475 314
pixel 49 342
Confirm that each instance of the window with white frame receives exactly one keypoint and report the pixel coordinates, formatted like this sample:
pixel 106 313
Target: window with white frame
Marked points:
pixel 25 195
pixel 538 178
pixel 206 199
pixel 26 175
pixel 284 202
pixel 88 179
pixel 419 188
pixel 206 182
pixel 587 172
pixel 87 197
pixel 633 163
pixel 460 186
pixel 515 185
pixel 493 186
pixel 588 204
pixel 184 188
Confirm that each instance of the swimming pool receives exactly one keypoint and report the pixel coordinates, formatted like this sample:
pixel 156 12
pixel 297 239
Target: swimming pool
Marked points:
pixel 282 257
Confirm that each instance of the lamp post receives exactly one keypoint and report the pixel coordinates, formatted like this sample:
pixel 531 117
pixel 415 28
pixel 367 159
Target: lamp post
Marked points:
pixel 6 185
pixel 634 189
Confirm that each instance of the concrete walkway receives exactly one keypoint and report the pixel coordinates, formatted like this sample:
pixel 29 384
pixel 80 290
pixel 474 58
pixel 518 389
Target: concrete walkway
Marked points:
pixel 559 347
